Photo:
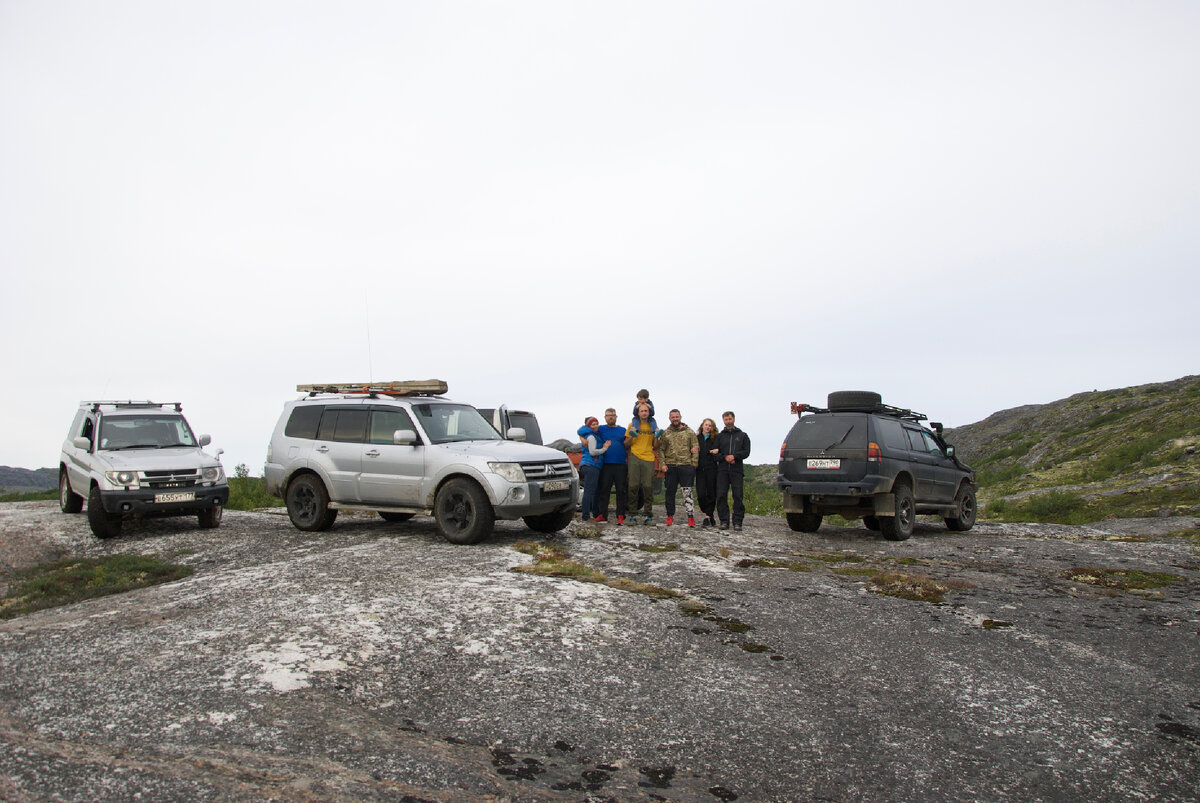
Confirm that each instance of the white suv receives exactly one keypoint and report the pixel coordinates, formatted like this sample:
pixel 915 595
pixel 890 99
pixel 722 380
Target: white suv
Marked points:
pixel 401 449
pixel 134 458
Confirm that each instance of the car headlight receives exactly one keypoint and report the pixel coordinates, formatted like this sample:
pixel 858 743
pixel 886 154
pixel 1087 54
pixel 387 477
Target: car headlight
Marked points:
pixel 127 478
pixel 213 474
pixel 509 471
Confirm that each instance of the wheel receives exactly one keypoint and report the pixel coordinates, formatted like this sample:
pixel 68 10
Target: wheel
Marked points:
pixel 854 400
pixel 103 524
pixel 308 504
pixel 210 517
pixel 395 517
pixel 900 526
pixel 965 505
pixel 463 512
pixel 871 523
pixel 804 522
pixel 68 500
pixel 549 522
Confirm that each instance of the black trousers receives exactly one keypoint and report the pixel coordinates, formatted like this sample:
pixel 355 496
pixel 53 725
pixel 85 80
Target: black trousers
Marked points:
pixel 730 481
pixel 706 489
pixel 610 474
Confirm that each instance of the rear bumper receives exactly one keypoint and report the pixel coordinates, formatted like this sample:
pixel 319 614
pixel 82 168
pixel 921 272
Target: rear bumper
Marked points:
pixel 143 500
pixel 869 496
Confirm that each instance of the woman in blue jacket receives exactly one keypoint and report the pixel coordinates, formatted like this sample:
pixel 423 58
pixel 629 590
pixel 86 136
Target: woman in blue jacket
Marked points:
pixel 589 466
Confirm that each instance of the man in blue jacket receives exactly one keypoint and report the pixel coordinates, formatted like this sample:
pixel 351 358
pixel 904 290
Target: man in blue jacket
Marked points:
pixel 615 469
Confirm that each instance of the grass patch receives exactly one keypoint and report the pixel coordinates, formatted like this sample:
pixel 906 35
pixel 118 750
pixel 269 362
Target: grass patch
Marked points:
pixel 77 579
pixel 31 496
pixel 915 587
pixel 835 557
pixel 1120 579
pixel 767 563
pixel 855 571
pixel 250 493
pixel 551 560
pixel 658 547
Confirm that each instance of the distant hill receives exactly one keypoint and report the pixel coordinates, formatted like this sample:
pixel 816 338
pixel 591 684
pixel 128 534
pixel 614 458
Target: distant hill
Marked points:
pixel 24 480
pixel 1131 452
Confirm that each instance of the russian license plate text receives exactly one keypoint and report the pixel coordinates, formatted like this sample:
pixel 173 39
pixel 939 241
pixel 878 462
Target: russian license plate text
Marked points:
pixel 182 496
pixel 824 462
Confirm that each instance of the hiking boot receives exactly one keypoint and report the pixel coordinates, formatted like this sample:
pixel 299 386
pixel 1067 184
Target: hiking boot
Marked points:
pixel 670 520
pixel 708 522
pixel 724 526
pixel 620 520
pixel 601 520
pixel 649 522
pixel 737 527
pixel 691 521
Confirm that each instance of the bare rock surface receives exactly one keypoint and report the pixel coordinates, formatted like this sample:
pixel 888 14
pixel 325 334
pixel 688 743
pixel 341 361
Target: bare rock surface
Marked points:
pixel 378 662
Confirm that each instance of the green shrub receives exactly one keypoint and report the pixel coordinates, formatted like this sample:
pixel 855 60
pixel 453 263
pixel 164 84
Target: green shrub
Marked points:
pixel 249 493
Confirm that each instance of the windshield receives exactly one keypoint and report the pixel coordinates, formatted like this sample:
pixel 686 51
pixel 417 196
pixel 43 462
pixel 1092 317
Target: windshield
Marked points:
pixel 149 431
pixel 444 423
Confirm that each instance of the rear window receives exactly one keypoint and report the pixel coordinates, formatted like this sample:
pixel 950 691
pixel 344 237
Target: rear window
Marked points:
pixel 824 432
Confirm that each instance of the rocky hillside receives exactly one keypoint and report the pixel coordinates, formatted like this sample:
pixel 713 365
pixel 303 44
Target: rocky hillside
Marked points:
pixel 1129 452
pixel 23 480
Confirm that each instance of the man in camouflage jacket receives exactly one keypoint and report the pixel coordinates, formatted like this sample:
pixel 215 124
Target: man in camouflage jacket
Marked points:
pixel 679 449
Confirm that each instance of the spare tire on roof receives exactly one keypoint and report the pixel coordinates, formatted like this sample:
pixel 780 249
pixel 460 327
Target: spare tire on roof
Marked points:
pixel 854 400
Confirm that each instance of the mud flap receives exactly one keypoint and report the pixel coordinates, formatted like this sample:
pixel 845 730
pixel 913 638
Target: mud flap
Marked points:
pixel 885 505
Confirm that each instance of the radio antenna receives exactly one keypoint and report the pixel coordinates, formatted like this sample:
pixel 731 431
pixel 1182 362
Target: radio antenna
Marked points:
pixel 367 315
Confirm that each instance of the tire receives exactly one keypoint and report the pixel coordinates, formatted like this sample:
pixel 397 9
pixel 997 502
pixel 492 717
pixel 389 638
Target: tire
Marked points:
pixel 464 514
pixel 308 504
pixel 854 400
pixel 804 522
pixel 900 526
pixel 395 518
pixel 964 504
pixel 871 523
pixel 549 522
pixel 68 500
pixel 103 524
pixel 210 517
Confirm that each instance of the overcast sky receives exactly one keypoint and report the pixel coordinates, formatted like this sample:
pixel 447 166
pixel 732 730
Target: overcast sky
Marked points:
pixel 964 206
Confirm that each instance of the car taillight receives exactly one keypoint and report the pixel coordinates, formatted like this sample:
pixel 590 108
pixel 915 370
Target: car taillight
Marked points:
pixel 874 454
pixel 782 449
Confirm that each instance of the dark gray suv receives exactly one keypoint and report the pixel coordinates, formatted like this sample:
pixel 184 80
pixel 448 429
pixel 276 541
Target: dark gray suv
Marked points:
pixel 861 458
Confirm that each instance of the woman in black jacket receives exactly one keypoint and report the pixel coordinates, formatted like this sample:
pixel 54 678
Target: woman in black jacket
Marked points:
pixel 706 470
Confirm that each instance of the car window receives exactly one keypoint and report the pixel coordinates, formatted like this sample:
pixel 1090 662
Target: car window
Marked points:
pixel 915 442
pixel 527 422
pixel 444 423
pixel 892 434
pixel 384 424
pixel 144 432
pixel 304 421
pixel 932 446
pixel 344 425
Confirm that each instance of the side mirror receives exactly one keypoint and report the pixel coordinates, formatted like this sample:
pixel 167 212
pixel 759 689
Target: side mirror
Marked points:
pixel 516 434
pixel 205 440
pixel 404 437
pixel 81 443
pixel 949 451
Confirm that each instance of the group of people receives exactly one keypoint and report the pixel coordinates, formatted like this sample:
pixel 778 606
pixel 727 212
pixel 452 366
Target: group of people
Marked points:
pixel 627 458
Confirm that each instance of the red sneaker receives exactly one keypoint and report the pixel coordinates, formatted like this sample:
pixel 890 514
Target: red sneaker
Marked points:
pixel 620 520
pixel 691 521
pixel 670 520
pixel 601 519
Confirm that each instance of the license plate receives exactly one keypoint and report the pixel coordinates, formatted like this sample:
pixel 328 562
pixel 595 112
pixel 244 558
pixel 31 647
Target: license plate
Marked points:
pixel 188 496
pixel 824 462
pixel 556 485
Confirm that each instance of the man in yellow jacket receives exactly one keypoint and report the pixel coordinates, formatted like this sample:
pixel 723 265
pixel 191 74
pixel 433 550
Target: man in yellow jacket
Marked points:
pixel 640 446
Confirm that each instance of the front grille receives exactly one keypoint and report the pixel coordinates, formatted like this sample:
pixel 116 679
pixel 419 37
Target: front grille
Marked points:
pixel 181 478
pixel 547 471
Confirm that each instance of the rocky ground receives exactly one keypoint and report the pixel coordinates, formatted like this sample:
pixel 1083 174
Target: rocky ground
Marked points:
pixel 378 662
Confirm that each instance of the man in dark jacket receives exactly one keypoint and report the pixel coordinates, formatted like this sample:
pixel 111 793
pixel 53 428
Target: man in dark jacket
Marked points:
pixel 733 447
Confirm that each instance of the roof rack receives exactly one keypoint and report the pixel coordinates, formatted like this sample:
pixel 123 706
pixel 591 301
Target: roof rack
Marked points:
pixel 799 409
pixel 422 387
pixel 130 404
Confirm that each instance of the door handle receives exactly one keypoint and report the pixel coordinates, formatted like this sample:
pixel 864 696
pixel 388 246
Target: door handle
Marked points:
pixel 322 449
pixel 372 453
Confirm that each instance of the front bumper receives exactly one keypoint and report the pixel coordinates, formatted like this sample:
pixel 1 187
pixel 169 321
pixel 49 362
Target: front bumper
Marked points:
pixel 514 500
pixel 143 500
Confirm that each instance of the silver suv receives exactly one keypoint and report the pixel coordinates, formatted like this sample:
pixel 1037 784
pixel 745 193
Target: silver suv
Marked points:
pixel 401 449
pixel 138 457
